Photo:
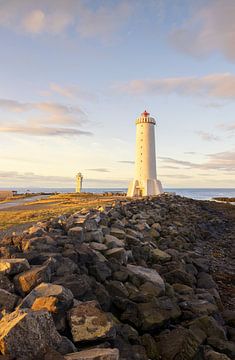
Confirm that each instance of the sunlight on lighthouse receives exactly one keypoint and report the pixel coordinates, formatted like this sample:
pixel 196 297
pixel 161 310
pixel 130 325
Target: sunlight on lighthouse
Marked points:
pixel 145 181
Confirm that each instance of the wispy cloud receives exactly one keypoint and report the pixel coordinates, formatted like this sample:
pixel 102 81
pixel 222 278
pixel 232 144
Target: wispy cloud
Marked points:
pixel 59 17
pixel 228 127
pixel 210 29
pixel 30 180
pixel 126 161
pixel 44 118
pixel 43 131
pixel 102 170
pixel 207 136
pixel 222 161
pixel 221 86
pixel 70 91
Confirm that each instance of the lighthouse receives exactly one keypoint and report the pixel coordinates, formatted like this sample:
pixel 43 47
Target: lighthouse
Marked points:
pixel 79 179
pixel 145 181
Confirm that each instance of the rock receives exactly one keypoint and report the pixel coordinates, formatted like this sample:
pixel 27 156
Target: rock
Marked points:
pixel 196 307
pixel 119 233
pixel 150 346
pixel 63 298
pixel 150 275
pixel 94 236
pixel 210 354
pixel 159 255
pixel 180 276
pixel 229 317
pixel 180 344
pixel 116 288
pixel 90 225
pixel 113 242
pixel 205 281
pixel 226 347
pixel 28 280
pixel 13 266
pixel 66 346
pixel 52 354
pixel 100 271
pixel 6 284
pixel 98 247
pixel 94 354
pixel 89 323
pixel 27 334
pixel 40 244
pixel 76 233
pixel 157 312
pixel 36 230
pixel 118 254
pixel 209 326
pixel 182 289
pixel 7 300
pixel 79 285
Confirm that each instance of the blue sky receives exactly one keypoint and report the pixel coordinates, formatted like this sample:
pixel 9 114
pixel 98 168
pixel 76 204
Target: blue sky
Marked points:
pixel 75 74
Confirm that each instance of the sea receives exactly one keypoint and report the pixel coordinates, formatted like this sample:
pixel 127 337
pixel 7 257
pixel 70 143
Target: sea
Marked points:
pixel 193 193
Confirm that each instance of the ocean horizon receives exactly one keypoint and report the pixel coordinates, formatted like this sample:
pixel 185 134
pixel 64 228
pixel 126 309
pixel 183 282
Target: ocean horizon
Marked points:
pixel 193 193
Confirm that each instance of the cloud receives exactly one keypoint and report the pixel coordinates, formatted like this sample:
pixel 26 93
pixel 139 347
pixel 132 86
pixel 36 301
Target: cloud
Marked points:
pixel 31 180
pixel 221 86
pixel 103 170
pixel 13 105
pixel 207 136
pixel 43 131
pixel 211 28
pixel 228 127
pixel 71 16
pixel 44 119
pixel 176 176
pixel 223 161
pixel 126 161
pixel 71 92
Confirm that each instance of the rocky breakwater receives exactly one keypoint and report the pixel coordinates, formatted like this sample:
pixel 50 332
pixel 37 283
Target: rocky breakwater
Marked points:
pixel 133 281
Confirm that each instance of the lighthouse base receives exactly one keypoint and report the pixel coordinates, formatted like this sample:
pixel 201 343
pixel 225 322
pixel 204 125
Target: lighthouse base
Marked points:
pixel 148 187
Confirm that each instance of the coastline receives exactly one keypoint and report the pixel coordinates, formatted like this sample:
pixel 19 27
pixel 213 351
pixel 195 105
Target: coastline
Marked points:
pixel 148 271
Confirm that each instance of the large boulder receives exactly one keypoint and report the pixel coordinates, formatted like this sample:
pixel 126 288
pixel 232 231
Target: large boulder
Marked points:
pixel 157 312
pixel 13 266
pixel 89 323
pixel 180 344
pixel 94 354
pixel 62 297
pixel 209 325
pixel 28 280
pixel 76 233
pixel 26 335
pixel 150 275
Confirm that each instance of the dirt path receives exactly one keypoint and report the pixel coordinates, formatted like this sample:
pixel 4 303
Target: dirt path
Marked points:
pixel 19 202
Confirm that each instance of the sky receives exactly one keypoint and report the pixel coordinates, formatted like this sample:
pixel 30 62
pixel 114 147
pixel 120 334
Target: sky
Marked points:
pixel 75 74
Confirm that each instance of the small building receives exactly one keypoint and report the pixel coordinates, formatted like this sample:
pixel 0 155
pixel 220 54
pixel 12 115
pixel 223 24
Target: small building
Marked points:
pixel 79 179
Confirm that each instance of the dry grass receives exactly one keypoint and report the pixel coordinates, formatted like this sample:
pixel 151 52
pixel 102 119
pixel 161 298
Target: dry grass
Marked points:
pixel 52 206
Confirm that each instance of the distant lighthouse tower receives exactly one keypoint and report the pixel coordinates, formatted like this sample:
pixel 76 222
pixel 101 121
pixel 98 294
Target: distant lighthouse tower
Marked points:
pixel 145 181
pixel 79 179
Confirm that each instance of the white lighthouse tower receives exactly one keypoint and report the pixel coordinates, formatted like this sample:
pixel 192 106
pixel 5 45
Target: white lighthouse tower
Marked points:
pixel 79 179
pixel 145 181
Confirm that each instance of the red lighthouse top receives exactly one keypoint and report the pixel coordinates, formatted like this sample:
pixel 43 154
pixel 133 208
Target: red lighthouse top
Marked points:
pixel 145 113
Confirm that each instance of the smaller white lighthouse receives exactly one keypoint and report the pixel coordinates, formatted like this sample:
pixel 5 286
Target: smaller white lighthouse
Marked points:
pixel 79 179
pixel 145 181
